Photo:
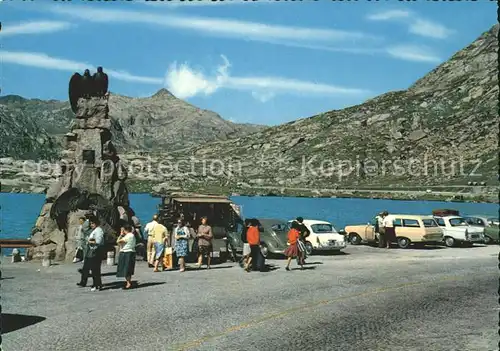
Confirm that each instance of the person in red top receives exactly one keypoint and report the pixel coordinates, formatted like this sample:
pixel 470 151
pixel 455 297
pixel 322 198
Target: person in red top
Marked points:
pixel 293 249
pixel 253 239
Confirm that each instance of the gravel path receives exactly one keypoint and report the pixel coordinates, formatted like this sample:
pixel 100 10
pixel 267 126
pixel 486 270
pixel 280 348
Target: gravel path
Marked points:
pixel 367 298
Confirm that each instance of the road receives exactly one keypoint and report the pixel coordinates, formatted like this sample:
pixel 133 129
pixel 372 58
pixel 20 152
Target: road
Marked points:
pixel 367 298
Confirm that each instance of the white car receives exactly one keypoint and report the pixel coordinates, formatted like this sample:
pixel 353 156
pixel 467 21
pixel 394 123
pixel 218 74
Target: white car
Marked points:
pixel 323 237
pixel 456 230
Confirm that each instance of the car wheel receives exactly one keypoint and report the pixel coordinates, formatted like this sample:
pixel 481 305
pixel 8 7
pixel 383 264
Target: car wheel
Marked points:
pixel 223 257
pixel 264 249
pixel 449 241
pixel 487 240
pixel 354 239
pixel 404 243
pixel 309 248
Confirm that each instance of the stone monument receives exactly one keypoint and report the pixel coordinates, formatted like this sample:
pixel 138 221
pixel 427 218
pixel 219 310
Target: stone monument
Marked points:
pixel 89 165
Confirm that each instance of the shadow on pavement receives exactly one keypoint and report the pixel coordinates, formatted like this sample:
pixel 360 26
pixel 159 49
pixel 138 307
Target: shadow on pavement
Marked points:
pixel 310 263
pixel 135 285
pixel 426 248
pixel 303 269
pixel 109 274
pixel 332 253
pixel 204 268
pixel 6 278
pixel 13 322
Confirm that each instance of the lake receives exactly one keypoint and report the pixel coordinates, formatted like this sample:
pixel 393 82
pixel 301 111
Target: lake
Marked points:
pixel 19 211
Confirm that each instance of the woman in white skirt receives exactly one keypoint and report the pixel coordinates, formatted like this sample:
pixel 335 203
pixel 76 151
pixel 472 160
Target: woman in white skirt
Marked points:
pixel 126 258
pixel 246 246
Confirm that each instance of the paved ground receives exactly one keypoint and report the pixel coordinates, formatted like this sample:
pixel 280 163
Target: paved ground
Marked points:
pixel 366 299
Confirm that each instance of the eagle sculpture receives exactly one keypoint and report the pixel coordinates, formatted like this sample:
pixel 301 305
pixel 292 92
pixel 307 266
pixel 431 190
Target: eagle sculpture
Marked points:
pixel 87 86
pixel 75 199
pixel 100 83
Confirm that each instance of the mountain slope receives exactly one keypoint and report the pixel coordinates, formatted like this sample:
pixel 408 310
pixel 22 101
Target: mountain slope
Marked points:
pixel 158 123
pixel 23 138
pixel 449 118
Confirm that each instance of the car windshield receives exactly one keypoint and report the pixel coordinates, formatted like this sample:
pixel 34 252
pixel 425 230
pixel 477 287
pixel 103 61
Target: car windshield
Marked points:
pixel 493 221
pixel 429 223
pixel 457 222
pixel 322 228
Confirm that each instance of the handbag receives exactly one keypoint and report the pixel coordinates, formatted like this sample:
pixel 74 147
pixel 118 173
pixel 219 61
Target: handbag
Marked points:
pixel 79 253
pixel 167 258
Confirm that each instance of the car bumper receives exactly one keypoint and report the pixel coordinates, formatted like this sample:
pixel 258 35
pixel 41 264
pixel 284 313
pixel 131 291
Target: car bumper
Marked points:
pixel 475 238
pixel 330 248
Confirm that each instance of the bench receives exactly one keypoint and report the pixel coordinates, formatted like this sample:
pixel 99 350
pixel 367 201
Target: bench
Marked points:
pixel 15 243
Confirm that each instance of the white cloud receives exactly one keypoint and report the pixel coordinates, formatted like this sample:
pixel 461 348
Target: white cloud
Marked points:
pixel 388 15
pixel 215 26
pixel 35 27
pixel 263 96
pixel 413 53
pixel 41 60
pixel 429 29
pixel 416 25
pixel 185 82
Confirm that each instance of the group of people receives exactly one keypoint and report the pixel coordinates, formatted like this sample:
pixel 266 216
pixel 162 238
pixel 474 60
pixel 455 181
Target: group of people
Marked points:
pixel 90 249
pixel 384 227
pixel 252 255
pixel 163 249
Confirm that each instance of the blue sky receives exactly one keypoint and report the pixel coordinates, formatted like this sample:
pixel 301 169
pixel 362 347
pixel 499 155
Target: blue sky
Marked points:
pixel 263 62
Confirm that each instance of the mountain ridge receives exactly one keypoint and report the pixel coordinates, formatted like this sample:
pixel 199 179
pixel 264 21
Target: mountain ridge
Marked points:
pixel 150 123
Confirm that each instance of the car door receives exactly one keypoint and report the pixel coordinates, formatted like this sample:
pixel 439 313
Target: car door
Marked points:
pixel 411 229
pixel 281 233
pixel 369 233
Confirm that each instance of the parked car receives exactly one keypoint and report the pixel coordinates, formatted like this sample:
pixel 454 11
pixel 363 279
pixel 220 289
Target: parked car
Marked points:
pixel 490 225
pixel 273 236
pixel 456 230
pixel 323 236
pixel 410 229
pixel 360 233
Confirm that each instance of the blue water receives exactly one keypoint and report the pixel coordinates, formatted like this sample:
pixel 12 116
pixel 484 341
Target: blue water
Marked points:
pixel 19 211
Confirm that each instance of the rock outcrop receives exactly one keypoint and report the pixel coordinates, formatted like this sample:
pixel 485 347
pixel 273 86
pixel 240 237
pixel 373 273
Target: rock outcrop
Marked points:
pixel 90 162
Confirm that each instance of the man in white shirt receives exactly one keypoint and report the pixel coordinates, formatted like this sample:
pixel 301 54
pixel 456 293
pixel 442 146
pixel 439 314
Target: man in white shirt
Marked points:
pixel 93 256
pixel 390 234
pixel 379 229
pixel 148 231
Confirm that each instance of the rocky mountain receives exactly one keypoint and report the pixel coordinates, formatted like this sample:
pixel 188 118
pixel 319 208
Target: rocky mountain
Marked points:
pixel 441 130
pixel 157 123
pixel 23 137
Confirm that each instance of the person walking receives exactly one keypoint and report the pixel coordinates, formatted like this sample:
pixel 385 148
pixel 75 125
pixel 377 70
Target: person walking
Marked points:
pixel 301 244
pixel 126 258
pixel 93 256
pixel 181 244
pixel 205 237
pixel 390 233
pixel 159 236
pixel 150 243
pixel 293 249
